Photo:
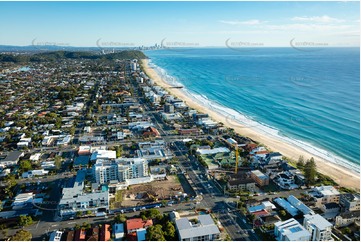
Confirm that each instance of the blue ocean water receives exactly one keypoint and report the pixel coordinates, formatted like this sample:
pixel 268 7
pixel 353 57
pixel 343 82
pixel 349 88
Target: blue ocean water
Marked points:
pixel 309 98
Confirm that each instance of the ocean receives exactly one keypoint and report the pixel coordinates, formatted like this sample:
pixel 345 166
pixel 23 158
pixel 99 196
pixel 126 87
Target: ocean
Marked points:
pixel 310 97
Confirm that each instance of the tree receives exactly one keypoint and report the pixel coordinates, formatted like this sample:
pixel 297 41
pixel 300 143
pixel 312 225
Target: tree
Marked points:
pixel 25 220
pixel 22 235
pixel 301 162
pixel 78 214
pixel 119 151
pixel 150 213
pixel 169 231
pixel 57 162
pixel 310 171
pixel 155 233
pixel 283 213
pixel 25 165
pixel 120 218
pixel 89 212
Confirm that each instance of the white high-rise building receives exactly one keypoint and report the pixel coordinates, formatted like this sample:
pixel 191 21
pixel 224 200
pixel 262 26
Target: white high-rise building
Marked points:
pixel 318 226
pixel 119 170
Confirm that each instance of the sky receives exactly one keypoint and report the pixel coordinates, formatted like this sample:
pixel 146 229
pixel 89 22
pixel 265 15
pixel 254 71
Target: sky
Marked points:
pixel 180 24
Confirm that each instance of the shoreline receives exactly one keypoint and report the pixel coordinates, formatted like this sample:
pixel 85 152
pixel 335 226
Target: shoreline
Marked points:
pixel 341 175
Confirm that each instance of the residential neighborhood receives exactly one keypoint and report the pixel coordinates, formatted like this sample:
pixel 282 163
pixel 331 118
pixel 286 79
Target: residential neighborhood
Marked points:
pixel 93 149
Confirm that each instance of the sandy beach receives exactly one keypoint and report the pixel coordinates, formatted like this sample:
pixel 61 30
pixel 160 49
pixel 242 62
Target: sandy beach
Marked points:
pixel 343 176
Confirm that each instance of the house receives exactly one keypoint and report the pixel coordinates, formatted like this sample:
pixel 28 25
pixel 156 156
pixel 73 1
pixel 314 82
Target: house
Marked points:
pixel 79 235
pixel 84 150
pixel 202 230
pixel 56 235
pixel 104 234
pixel 291 230
pixel 134 224
pixel 93 234
pixel 347 218
pixel 273 156
pixel 260 178
pixel 11 159
pixel 32 173
pixel 318 226
pixel 69 236
pixel 119 232
pixel 194 131
pixel 151 132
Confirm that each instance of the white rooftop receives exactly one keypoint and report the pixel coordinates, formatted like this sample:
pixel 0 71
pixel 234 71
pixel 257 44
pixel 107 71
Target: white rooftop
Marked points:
pixel 327 190
pixel 318 221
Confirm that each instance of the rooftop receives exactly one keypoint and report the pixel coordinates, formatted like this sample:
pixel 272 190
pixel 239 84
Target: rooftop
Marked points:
pixel 205 226
pixel 317 221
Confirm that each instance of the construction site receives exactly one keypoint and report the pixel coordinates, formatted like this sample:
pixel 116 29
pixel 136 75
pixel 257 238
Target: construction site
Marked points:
pixel 152 192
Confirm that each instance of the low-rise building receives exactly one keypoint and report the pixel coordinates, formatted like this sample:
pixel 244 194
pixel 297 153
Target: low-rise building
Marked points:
pixel 134 224
pixel 260 178
pixel 11 159
pixel 347 218
pixel 32 173
pixel 118 231
pixel 325 194
pixel 56 235
pixel 291 230
pixel 350 202
pixel 203 230
pixel 318 226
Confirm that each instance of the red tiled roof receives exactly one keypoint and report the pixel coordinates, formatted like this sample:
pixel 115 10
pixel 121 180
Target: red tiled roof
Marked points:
pixel 261 213
pixel 104 233
pixel 138 223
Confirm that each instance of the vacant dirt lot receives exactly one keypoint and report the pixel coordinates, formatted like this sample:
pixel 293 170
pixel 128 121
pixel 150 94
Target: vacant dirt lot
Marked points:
pixel 151 192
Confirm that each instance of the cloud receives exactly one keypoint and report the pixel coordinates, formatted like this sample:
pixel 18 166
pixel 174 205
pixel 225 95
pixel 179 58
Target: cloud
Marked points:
pixel 318 19
pixel 308 27
pixel 247 22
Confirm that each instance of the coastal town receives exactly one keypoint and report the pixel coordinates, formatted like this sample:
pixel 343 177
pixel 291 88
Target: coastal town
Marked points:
pixel 92 148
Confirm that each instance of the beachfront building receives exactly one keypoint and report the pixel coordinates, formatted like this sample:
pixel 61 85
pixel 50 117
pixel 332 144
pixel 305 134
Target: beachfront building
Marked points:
pixel 350 202
pixel 291 230
pixel 324 194
pixel 203 229
pixel 260 178
pixel 318 226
